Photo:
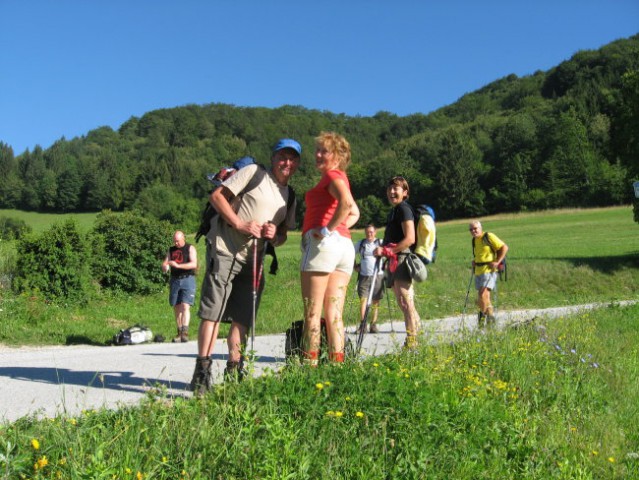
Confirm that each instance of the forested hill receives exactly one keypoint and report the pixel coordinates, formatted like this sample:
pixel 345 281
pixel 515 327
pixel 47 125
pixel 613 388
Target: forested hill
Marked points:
pixel 565 137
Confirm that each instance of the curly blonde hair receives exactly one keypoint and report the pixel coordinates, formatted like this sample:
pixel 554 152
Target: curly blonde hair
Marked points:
pixel 336 144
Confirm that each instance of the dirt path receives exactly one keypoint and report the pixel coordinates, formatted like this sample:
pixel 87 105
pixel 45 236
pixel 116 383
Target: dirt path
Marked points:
pixel 48 381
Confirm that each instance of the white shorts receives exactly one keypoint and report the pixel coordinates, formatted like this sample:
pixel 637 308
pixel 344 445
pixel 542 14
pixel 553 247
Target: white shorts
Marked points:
pixel 328 254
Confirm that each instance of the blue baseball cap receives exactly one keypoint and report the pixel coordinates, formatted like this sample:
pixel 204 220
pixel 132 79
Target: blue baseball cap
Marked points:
pixel 287 143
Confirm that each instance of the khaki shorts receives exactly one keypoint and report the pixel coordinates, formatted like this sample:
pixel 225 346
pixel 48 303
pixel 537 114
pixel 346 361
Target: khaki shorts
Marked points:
pixel 328 254
pixel 227 295
pixel 364 287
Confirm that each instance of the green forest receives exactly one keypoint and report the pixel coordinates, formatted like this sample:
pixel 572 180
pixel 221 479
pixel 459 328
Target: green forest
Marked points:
pixel 567 137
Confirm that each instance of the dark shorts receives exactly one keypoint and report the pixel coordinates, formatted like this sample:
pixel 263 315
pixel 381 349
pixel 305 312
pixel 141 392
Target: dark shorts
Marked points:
pixel 364 286
pixel 182 290
pixel 401 272
pixel 227 291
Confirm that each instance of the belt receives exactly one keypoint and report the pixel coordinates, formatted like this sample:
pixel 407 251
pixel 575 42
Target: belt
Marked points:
pixel 180 277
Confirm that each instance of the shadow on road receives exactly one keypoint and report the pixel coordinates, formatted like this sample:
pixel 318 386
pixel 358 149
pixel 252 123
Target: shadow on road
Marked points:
pixel 125 381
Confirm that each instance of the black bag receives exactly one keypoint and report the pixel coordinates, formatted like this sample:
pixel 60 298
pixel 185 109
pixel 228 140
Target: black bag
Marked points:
pixel 295 337
pixel 133 335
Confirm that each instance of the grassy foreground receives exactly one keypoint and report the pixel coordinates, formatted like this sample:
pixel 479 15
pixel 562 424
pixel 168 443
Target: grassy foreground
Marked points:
pixel 556 258
pixel 554 399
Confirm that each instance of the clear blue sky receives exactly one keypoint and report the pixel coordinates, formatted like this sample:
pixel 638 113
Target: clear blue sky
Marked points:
pixel 69 66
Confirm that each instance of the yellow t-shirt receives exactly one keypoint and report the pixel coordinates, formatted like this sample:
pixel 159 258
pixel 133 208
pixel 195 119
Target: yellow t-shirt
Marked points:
pixel 484 253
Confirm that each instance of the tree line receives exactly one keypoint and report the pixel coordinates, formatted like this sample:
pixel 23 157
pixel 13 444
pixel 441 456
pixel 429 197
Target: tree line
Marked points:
pixel 567 137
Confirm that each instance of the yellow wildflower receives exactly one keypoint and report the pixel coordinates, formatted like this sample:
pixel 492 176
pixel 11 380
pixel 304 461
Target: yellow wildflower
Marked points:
pixel 359 414
pixel 339 414
pixel 319 386
pixel 35 444
pixel 139 476
pixel 43 462
pixel 327 383
pixel 611 459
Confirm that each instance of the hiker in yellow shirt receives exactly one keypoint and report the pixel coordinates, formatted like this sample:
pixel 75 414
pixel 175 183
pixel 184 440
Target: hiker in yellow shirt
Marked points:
pixel 488 252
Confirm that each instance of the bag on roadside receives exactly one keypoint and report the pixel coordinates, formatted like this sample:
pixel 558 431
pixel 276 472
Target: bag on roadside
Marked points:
pixel 295 337
pixel 133 335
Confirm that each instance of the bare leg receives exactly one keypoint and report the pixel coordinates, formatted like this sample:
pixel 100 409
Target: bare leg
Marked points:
pixel 313 288
pixel 405 299
pixel 333 307
pixel 236 340
pixel 206 337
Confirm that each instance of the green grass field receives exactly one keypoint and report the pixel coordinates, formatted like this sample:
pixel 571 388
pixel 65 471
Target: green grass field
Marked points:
pixel 556 258
pixel 553 399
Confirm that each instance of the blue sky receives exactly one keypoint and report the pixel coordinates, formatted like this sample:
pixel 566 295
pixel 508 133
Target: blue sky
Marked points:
pixel 69 66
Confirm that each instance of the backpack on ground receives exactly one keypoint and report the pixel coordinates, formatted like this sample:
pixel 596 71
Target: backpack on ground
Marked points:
pixel 502 268
pixel 295 337
pixel 133 335
pixel 209 212
pixel 425 248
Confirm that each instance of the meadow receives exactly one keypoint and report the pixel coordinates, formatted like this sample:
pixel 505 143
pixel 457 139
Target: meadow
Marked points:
pixel 557 258
pixel 548 399
pixel 554 399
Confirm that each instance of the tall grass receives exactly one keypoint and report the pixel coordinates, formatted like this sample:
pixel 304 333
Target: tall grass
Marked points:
pixel 547 400
pixel 556 258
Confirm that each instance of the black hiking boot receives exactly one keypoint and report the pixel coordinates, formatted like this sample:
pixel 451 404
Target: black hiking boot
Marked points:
pixel 201 381
pixel 234 371
pixel 481 320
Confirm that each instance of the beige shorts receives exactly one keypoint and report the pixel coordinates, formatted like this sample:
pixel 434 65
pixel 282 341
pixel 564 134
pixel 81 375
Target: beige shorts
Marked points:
pixel 328 254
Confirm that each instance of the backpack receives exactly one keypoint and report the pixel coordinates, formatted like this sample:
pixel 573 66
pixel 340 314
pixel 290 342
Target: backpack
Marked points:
pixel 209 212
pixel 217 179
pixel 133 335
pixel 426 253
pixel 295 335
pixel 502 268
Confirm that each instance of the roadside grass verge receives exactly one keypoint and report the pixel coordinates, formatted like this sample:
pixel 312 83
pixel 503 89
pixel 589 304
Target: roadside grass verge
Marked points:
pixel 556 258
pixel 552 399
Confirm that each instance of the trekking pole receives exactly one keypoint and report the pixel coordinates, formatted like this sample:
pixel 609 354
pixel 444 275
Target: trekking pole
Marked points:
pixel 257 277
pixel 470 281
pixel 390 317
pixel 369 301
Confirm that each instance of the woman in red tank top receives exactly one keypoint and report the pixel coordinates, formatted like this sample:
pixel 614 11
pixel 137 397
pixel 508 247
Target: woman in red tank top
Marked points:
pixel 328 252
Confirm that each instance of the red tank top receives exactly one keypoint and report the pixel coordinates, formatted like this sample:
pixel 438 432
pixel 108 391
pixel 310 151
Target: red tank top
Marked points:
pixel 321 205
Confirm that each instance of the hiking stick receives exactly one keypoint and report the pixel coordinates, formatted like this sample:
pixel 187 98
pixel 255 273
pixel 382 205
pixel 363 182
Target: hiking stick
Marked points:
pixel 369 301
pixel 470 281
pixel 257 277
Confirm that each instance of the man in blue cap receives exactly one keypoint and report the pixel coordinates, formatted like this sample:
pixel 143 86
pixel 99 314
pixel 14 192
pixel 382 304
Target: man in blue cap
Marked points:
pixel 253 208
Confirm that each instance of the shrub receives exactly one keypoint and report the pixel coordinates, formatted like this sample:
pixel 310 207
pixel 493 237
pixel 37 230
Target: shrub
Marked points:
pixel 128 250
pixel 55 263
pixel 13 228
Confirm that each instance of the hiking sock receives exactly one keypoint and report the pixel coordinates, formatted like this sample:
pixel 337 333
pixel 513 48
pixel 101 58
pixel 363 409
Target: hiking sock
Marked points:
pixel 184 334
pixel 410 343
pixel 178 337
pixel 234 372
pixel 336 357
pixel 311 358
